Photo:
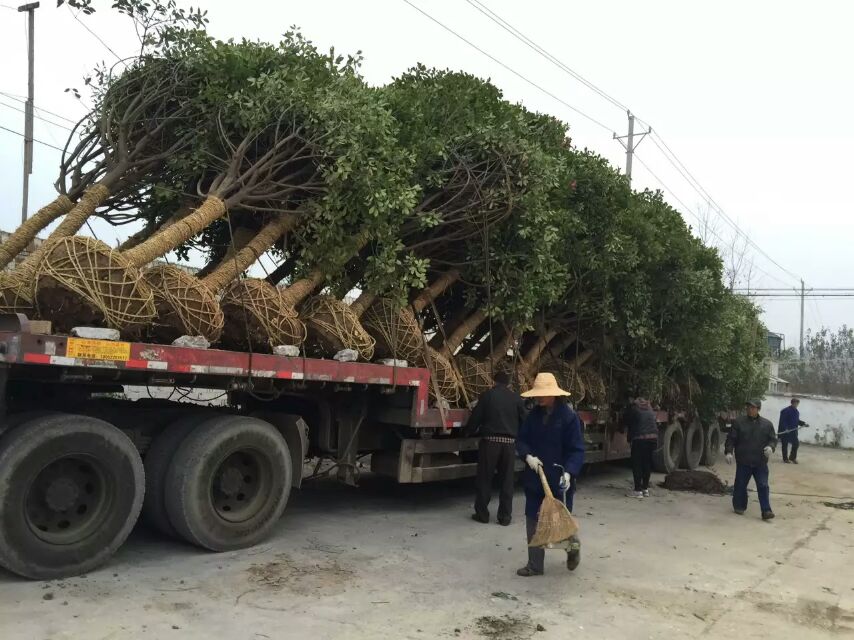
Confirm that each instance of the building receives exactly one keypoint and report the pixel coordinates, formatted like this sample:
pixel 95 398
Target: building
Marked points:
pixel 776 384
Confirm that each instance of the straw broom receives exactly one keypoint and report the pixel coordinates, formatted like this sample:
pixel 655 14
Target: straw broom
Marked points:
pixel 554 522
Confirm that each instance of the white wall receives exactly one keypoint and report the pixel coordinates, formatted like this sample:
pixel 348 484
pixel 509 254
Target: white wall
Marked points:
pixel 831 420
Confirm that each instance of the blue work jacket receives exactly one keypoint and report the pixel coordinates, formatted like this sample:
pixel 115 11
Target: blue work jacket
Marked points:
pixel 554 439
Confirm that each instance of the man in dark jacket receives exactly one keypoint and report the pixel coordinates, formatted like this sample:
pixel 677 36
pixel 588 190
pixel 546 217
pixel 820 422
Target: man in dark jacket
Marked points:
pixel 753 440
pixel 550 435
pixel 496 418
pixel 643 436
pixel 787 430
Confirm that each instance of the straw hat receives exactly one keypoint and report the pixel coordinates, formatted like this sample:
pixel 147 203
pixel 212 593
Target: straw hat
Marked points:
pixel 545 384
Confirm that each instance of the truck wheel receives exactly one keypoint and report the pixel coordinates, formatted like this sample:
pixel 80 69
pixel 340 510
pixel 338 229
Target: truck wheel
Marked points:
pixel 71 488
pixel 712 445
pixel 693 445
pixel 228 483
pixel 667 456
pixel 157 462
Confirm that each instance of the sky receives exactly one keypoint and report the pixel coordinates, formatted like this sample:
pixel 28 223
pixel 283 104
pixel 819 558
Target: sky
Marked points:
pixel 754 98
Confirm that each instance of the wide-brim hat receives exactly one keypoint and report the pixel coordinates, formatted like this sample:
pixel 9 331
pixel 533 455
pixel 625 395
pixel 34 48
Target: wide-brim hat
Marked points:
pixel 545 385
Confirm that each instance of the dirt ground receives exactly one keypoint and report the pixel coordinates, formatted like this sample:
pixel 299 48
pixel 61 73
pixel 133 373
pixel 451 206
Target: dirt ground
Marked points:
pixel 384 561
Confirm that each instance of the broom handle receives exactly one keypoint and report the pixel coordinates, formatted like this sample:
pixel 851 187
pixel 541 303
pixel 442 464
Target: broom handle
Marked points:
pixel 546 488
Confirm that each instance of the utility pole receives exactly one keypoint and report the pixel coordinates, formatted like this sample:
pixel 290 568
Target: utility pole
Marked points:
pixel 630 144
pixel 803 293
pixel 28 107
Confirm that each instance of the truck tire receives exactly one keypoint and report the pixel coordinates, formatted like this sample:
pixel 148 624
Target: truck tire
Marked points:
pixel 229 483
pixel 669 452
pixel 694 444
pixel 712 444
pixel 157 462
pixel 71 488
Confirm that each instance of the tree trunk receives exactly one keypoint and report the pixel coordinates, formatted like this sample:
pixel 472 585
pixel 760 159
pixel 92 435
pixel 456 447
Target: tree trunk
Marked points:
pixel 501 348
pixel 532 357
pixel 361 304
pixel 176 234
pixel 560 344
pixel 283 270
pixel 449 327
pixel 581 358
pixel 439 286
pixel 242 236
pixel 459 334
pixel 302 288
pixel 21 238
pixel 150 229
pixel 230 268
pixel 76 218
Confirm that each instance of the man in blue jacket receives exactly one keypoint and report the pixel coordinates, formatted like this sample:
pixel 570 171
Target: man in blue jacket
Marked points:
pixel 787 430
pixel 549 436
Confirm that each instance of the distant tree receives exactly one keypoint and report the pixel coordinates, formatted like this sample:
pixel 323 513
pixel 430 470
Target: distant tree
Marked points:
pixel 827 366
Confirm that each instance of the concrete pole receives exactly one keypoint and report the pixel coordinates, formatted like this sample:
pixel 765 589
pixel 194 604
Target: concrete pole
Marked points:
pixel 630 146
pixel 28 106
pixel 803 293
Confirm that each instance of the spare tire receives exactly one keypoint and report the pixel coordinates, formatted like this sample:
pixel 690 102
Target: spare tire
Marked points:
pixel 712 444
pixel 693 443
pixel 669 452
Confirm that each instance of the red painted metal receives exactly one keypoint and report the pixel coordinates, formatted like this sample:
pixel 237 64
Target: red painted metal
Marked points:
pixel 50 350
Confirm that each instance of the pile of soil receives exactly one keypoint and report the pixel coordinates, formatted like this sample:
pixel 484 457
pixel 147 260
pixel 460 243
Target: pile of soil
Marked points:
pixel 697 481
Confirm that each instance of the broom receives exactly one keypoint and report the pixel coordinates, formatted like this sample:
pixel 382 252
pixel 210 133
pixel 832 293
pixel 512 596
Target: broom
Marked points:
pixel 554 522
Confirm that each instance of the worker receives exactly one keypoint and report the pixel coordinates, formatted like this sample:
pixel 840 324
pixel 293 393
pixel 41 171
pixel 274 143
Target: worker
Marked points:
pixel 549 436
pixel 787 430
pixel 496 418
pixel 643 436
pixel 753 440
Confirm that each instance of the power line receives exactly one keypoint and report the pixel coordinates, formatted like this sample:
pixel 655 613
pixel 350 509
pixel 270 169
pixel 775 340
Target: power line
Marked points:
pixel 511 70
pixel 668 154
pixel 695 215
pixel 97 37
pixel 12 96
pixel 47 144
pixel 55 124
pixel 501 22
pixel 674 160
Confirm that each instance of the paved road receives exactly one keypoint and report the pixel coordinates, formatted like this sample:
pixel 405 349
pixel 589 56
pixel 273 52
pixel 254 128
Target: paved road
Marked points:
pixel 394 562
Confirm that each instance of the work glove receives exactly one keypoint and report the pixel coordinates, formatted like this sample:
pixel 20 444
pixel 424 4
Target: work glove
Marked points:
pixel 729 458
pixel 534 462
pixel 767 451
pixel 565 481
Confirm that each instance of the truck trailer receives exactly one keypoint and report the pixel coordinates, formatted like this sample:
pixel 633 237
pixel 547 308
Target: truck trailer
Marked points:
pixel 79 464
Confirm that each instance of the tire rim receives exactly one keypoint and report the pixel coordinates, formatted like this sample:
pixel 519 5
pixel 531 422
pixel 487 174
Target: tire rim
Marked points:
pixel 69 499
pixel 241 485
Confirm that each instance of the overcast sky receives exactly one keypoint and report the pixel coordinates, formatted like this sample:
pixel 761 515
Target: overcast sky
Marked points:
pixel 755 98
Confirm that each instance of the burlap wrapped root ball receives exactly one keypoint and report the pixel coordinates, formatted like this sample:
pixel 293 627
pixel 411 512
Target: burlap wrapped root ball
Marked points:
pixel 332 326
pixel 596 391
pixel 16 293
pixel 395 330
pixel 447 380
pixel 185 307
pixel 82 281
pixel 475 376
pixel 256 318
pixel 567 377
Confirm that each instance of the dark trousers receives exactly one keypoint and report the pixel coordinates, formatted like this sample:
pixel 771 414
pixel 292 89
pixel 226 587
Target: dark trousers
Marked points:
pixel 795 444
pixel 536 555
pixel 495 457
pixel 743 474
pixel 642 451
